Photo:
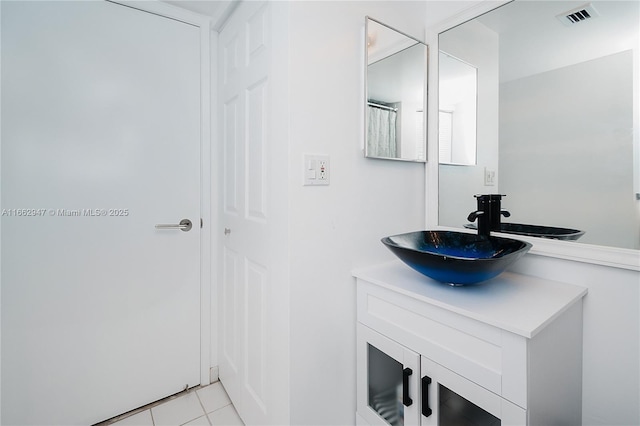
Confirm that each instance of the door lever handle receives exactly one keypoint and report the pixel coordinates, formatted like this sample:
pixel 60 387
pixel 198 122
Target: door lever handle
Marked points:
pixel 184 225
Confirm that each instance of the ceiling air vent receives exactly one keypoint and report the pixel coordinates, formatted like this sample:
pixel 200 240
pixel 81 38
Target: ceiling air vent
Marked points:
pixel 578 15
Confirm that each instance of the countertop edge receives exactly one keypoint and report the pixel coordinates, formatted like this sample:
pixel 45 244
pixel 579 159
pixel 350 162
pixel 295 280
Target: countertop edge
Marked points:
pixel 374 275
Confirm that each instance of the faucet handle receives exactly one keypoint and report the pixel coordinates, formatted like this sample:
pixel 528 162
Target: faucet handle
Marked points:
pixel 490 196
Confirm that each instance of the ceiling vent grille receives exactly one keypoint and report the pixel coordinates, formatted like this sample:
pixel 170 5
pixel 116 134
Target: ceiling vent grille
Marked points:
pixel 580 14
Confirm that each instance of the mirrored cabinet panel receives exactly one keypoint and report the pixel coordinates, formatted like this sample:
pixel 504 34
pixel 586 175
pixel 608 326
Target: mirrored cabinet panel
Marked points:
pixel 396 76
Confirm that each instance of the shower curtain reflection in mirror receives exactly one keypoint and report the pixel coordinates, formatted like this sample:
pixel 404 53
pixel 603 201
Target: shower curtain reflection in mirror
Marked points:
pixel 382 131
pixel 394 96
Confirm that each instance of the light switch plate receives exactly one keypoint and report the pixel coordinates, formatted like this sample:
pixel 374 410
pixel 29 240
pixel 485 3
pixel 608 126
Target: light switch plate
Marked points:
pixel 316 170
pixel 489 177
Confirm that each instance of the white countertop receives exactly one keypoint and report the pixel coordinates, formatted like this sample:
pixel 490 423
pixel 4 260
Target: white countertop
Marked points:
pixel 517 303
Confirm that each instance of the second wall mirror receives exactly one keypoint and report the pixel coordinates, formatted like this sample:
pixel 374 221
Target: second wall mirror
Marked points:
pixel 396 76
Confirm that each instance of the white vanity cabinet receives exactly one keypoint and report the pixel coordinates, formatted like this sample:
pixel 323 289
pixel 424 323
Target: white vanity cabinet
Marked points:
pixel 508 351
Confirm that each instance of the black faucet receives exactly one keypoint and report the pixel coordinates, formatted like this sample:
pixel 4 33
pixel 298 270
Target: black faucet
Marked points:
pixel 488 213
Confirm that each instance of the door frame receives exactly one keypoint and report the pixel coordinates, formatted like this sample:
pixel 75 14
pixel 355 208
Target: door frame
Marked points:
pixel 204 24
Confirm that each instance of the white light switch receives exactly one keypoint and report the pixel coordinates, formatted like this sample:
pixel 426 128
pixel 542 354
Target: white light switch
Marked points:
pixel 316 170
pixel 310 174
pixel 489 177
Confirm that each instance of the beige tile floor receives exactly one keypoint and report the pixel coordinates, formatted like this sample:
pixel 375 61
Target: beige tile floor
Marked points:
pixel 205 406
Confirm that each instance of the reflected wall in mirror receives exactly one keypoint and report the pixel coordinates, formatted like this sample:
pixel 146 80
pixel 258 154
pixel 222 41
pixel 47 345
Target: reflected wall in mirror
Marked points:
pixel 557 118
pixel 457 110
pixel 395 94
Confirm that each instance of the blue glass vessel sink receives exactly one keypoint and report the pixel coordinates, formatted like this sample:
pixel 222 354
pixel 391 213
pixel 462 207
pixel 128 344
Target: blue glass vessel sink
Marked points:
pixel 456 258
pixel 540 231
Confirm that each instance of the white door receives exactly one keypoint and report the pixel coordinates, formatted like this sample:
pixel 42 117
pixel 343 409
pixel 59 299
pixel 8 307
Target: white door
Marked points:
pixel 246 276
pixel 100 142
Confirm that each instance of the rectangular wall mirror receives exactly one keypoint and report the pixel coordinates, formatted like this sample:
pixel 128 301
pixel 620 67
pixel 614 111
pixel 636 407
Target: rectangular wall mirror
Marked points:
pixel 396 76
pixel 557 118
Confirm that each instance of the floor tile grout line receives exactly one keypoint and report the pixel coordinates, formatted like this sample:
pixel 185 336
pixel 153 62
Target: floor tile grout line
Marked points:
pixel 219 408
pixel 149 407
pixel 201 406
pixel 199 402
pixel 204 409
pixel 228 397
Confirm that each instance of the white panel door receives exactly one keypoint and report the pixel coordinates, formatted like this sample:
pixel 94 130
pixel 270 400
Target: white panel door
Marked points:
pixel 100 142
pixel 245 277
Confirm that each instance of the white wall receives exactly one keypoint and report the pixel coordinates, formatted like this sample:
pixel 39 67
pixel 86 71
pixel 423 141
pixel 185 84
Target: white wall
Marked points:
pixel 336 228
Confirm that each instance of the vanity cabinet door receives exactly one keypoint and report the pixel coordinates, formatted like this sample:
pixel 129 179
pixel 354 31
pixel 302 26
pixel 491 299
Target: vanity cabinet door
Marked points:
pixel 388 380
pixel 450 399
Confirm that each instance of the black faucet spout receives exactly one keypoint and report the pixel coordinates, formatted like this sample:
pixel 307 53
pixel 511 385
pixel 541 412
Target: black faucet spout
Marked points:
pixel 488 213
pixel 483 222
pixel 474 215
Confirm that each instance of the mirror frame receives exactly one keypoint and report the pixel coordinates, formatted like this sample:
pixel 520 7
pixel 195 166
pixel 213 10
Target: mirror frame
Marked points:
pixel 569 250
pixel 425 90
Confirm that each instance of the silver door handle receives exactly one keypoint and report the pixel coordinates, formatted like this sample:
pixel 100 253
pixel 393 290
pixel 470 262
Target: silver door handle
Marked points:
pixel 184 225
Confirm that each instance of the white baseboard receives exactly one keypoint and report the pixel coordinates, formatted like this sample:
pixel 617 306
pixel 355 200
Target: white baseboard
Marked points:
pixel 213 374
